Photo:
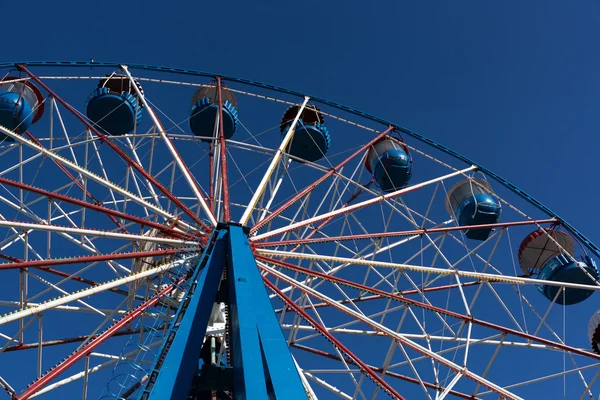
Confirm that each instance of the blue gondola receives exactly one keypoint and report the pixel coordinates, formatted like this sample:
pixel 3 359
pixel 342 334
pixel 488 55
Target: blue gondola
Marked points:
pixel 311 138
pixel 549 255
pixel 21 105
pixel 205 110
pixel 388 160
pixel 472 203
pixel 564 269
pixel 114 107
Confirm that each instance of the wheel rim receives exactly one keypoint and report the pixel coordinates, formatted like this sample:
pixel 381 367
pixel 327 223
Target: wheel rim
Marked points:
pixel 440 314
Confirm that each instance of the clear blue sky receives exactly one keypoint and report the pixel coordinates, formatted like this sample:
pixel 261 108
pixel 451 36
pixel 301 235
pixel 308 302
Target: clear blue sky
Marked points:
pixel 514 85
pixel 511 84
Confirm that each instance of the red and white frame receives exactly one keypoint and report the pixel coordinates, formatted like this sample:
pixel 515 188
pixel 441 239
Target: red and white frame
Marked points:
pixel 378 294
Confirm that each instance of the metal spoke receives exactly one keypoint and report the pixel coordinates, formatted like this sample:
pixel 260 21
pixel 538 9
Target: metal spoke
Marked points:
pixel 378 291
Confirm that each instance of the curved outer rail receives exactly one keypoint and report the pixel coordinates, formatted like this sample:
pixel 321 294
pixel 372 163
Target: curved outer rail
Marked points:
pixel 183 71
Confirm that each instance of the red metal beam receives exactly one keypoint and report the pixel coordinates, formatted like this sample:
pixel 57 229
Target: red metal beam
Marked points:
pixel 382 235
pixel 167 230
pixel 388 373
pixel 400 292
pixel 70 175
pixel 223 158
pixel 93 258
pixel 326 221
pixel 118 150
pixel 412 302
pixel 53 271
pixel 374 326
pixel 78 278
pixel 211 195
pixel 357 361
pixel 94 343
pixel 313 185
pixel 75 339
pixel 135 387
pixel 350 200
pixel 170 144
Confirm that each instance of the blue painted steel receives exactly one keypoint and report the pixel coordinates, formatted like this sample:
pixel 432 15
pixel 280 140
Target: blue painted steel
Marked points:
pixel 177 363
pixel 310 142
pixel 562 269
pixel 477 210
pixel 182 71
pixel 248 368
pixel 203 117
pixel 15 113
pixel 392 170
pixel 263 367
pixel 115 113
pixel 260 352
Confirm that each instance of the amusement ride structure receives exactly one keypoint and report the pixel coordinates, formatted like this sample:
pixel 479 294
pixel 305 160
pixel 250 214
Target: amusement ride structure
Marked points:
pixel 260 243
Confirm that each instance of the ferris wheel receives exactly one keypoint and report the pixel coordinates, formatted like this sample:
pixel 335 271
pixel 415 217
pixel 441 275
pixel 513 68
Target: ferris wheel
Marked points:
pixel 171 234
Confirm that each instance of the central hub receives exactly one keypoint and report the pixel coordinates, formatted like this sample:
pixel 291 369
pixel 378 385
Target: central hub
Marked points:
pixel 227 225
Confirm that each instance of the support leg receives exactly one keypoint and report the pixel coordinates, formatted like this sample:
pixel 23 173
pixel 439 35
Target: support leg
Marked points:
pixel 173 379
pixel 257 338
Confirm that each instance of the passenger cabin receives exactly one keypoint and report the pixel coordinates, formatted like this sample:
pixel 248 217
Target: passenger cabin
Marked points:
pixel 550 256
pixel 21 105
pixel 472 202
pixel 204 113
pixel 311 138
pixel 389 162
pixel 114 107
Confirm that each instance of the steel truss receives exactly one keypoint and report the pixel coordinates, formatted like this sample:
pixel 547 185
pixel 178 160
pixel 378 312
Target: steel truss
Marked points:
pixel 262 365
pixel 323 285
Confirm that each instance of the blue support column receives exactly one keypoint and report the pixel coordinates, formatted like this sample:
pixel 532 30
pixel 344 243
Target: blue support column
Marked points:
pixel 174 376
pixel 262 362
pixel 248 369
pixel 263 367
